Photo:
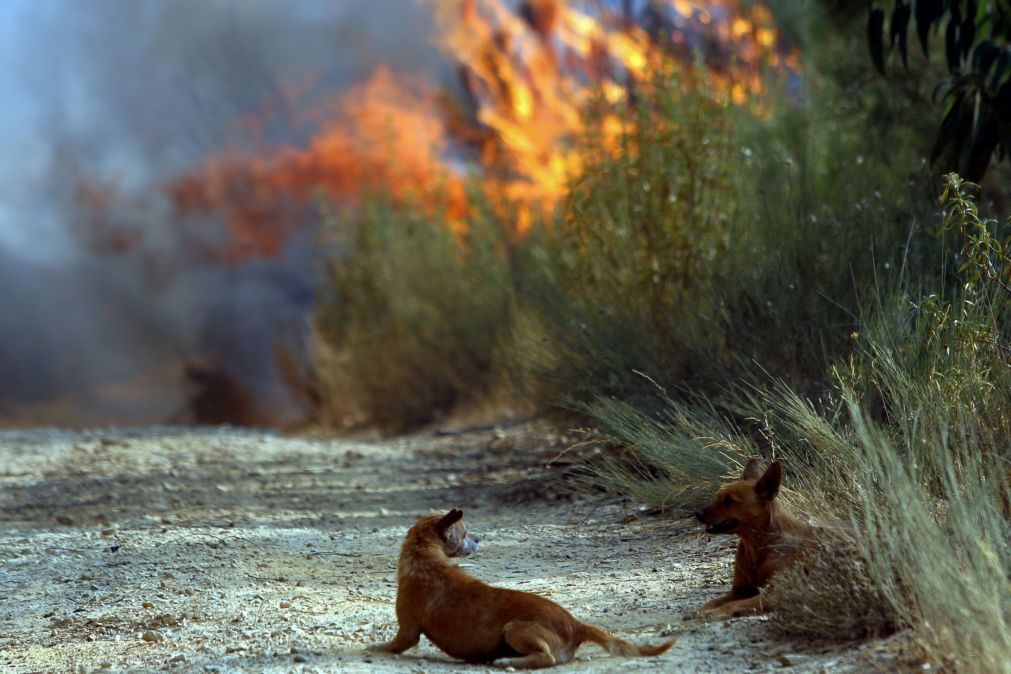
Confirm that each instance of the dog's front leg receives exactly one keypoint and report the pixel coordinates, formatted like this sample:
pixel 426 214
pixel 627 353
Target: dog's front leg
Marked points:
pixel 709 608
pixel 725 605
pixel 741 607
pixel 716 603
pixel 407 637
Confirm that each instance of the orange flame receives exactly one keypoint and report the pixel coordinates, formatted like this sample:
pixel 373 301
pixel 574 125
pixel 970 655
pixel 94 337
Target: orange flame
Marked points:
pixel 529 78
pixel 385 135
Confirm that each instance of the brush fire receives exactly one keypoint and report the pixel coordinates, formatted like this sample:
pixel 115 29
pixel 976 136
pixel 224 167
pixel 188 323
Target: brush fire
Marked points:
pixel 528 76
pixel 523 82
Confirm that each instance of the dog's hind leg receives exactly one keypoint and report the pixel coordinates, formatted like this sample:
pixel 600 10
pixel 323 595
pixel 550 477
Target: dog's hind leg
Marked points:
pixel 536 645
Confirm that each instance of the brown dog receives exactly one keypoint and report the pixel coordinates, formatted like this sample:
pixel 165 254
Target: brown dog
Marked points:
pixel 770 537
pixel 476 622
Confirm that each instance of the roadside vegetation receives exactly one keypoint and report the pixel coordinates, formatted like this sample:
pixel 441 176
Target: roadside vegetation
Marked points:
pixel 801 285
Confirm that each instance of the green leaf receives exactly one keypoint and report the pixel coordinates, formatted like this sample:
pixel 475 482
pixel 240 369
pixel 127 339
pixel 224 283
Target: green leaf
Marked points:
pixel 1002 104
pixel 967 35
pixel 928 12
pixel 898 29
pixel 1001 69
pixel 875 38
pixel 984 142
pixel 951 45
pixel 983 56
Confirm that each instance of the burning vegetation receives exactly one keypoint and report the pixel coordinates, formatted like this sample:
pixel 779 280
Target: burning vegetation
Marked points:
pixel 505 124
pixel 530 81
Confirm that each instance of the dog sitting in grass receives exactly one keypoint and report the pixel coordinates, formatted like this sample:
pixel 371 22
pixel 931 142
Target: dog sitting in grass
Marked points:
pixel 770 538
pixel 475 622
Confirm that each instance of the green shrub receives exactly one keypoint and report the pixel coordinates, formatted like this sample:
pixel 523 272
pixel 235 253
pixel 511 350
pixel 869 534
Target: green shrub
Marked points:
pixel 714 241
pixel 910 448
pixel 411 316
pixel 632 248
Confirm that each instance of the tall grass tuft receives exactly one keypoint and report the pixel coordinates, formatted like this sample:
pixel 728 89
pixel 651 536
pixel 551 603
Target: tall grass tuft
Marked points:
pixel 672 459
pixel 909 451
pixel 935 540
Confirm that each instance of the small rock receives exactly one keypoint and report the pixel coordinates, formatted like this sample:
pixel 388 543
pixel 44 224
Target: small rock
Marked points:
pixel 165 620
pixel 106 665
pixel 152 636
pixel 108 532
pixel 285 604
pixel 147 604
pixel 299 658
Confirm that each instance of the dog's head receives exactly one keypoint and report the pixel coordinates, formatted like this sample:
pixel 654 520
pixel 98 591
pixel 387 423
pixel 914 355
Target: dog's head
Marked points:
pixel 745 502
pixel 450 530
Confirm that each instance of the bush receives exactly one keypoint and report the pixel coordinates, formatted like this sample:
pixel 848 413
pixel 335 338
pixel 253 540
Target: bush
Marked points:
pixel 633 247
pixel 911 450
pixel 829 594
pixel 716 240
pixel 411 317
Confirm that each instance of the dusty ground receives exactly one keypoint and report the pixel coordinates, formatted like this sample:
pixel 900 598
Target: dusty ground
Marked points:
pixel 224 550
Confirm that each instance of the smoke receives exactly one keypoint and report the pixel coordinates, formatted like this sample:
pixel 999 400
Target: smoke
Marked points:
pixel 105 297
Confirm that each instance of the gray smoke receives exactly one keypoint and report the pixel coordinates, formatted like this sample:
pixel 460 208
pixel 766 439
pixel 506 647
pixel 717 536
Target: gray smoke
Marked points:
pixel 130 94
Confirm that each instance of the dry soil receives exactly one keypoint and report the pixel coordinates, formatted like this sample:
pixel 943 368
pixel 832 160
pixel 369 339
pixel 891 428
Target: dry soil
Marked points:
pixel 165 549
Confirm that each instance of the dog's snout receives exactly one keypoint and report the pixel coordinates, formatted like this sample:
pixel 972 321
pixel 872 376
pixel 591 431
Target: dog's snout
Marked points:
pixel 477 539
pixel 699 515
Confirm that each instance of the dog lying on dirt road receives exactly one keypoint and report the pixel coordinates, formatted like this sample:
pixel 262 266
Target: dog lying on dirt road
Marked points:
pixel 473 621
pixel 771 538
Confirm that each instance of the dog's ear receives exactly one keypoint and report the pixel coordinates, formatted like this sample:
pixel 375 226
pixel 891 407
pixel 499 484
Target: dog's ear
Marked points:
pixel 768 485
pixel 751 470
pixel 449 519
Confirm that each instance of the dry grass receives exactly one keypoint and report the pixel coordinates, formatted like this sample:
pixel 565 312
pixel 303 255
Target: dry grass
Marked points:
pixel 830 594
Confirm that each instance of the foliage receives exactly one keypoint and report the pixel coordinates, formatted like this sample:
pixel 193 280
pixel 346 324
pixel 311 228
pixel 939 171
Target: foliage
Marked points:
pixel 672 459
pixel 412 317
pixel 910 447
pixel 636 241
pixel 976 124
pixel 986 255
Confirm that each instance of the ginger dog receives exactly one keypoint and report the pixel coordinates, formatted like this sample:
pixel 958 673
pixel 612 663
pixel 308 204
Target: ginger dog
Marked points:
pixel 771 538
pixel 473 621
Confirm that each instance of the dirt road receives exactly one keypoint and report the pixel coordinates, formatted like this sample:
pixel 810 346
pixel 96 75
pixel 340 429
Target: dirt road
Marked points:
pixel 163 549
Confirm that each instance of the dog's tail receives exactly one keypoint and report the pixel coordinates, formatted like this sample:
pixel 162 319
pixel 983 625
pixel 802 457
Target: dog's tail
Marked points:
pixel 616 646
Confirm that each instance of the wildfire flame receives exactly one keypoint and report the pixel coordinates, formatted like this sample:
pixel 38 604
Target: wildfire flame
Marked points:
pixel 527 77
